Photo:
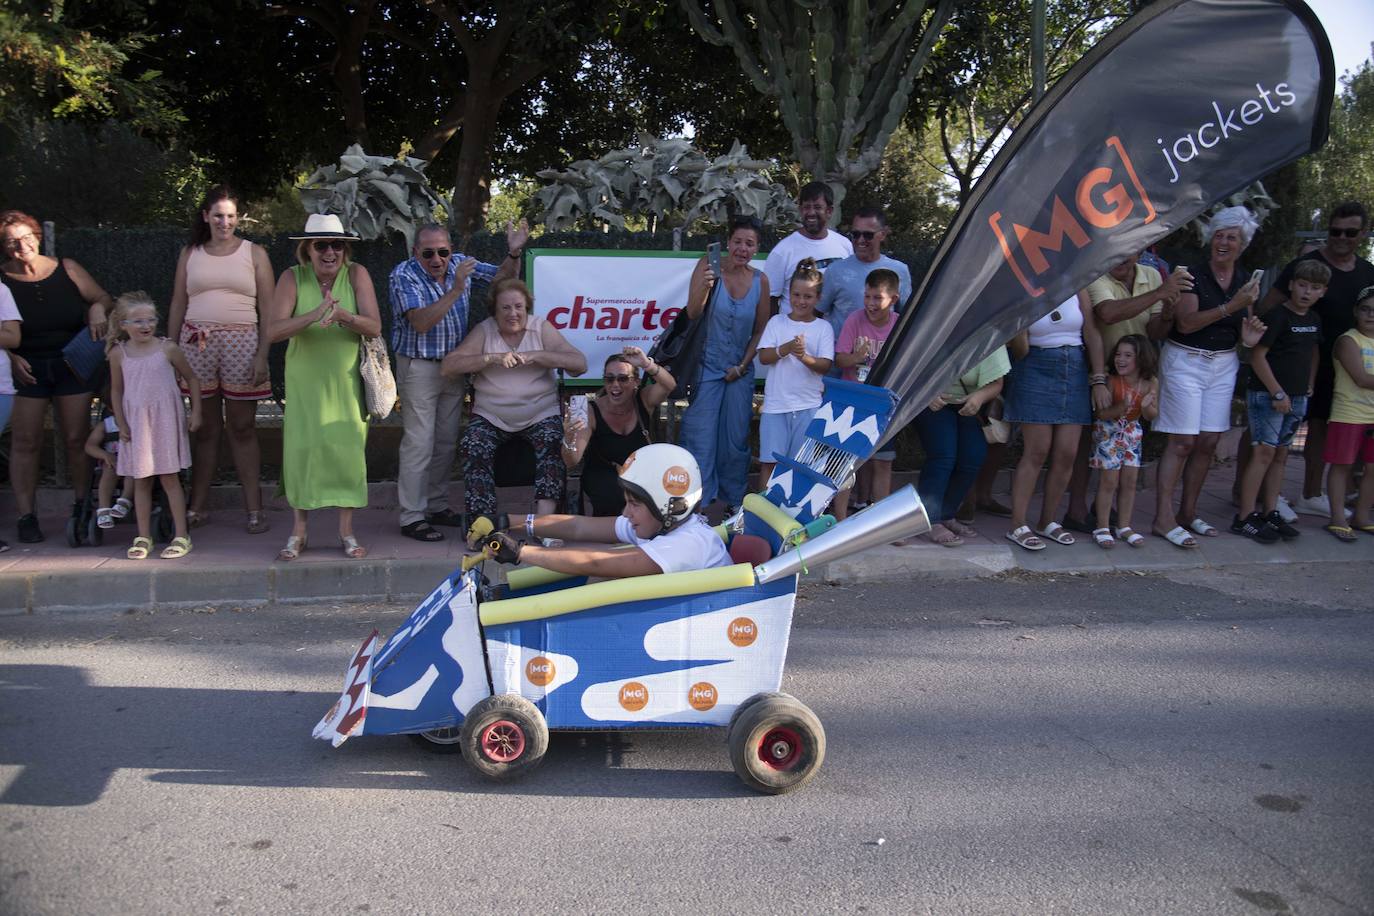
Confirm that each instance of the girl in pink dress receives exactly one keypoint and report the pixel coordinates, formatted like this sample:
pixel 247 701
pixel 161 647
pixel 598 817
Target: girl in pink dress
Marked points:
pixel 152 421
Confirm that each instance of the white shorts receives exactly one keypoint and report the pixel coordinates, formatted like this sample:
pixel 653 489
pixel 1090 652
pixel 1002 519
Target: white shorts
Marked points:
pixel 1194 391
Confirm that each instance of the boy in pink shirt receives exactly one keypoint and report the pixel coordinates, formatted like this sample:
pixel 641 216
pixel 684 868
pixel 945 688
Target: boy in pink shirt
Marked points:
pixel 861 338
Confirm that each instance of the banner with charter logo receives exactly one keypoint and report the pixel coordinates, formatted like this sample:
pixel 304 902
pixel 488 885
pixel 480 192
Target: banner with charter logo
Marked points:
pixel 1186 102
pixel 604 301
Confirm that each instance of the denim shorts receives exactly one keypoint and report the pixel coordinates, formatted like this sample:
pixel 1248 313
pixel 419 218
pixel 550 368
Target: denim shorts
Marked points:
pixel 783 433
pixel 1267 425
pixel 1050 387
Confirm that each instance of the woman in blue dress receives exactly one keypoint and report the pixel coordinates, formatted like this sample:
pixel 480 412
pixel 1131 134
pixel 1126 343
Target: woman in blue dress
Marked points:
pixel 715 428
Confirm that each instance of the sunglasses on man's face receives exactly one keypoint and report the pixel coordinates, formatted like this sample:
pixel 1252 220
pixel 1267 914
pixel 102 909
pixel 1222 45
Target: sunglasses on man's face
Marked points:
pixel 330 245
pixel 622 379
pixel 862 235
pixel 428 253
pixel 1337 233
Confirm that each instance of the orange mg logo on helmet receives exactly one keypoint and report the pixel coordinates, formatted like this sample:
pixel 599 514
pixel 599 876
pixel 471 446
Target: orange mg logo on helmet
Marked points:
pixel 677 481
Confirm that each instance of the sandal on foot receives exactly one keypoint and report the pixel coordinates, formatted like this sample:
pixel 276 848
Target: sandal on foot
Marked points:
pixel 1179 537
pixel 1103 537
pixel 138 550
pixel 179 548
pixel 1342 533
pixel 196 519
pixel 422 531
pixel 1130 536
pixel 295 544
pixel 941 535
pixel 447 517
pixel 1200 526
pixel 1055 532
pixel 257 523
pixel 121 508
pixel 1024 537
pixel 1367 529
pixel 104 518
pixel 351 548
pixel 960 528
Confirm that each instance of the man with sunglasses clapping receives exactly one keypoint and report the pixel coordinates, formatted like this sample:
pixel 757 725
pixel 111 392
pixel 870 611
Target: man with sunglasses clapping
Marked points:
pixel 429 295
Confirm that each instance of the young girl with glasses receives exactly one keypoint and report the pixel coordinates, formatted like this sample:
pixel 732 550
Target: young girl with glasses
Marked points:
pixel 148 409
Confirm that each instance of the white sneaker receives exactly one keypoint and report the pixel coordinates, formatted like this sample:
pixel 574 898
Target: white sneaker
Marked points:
pixel 1286 511
pixel 1314 505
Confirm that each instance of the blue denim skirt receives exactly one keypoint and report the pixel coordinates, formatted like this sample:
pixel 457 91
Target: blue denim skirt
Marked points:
pixel 1049 386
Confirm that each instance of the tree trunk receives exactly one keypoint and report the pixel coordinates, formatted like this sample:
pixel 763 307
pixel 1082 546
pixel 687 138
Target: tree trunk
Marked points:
pixel 348 72
pixel 472 176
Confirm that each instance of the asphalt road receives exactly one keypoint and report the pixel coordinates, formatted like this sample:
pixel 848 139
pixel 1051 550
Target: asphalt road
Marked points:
pixel 1199 743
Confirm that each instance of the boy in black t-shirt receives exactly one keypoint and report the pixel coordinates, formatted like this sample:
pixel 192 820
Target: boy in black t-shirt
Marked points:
pixel 1283 367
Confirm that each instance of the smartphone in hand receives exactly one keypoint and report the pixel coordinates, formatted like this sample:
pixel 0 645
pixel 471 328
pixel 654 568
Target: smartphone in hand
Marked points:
pixel 713 257
pixel 577 407
pixel 1257 277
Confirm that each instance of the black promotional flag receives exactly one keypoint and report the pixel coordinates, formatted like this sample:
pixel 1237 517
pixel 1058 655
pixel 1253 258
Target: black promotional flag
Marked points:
pixel 1186 102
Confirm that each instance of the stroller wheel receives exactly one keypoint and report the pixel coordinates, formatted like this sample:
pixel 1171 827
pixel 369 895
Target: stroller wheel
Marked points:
pixel 94 535
pixel 74 532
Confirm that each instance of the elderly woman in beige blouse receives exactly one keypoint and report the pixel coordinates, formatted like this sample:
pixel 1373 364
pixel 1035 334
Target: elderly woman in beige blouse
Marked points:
pixel 512 359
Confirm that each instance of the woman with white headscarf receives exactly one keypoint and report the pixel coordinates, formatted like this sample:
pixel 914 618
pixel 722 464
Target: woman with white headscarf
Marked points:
pixel 1198 371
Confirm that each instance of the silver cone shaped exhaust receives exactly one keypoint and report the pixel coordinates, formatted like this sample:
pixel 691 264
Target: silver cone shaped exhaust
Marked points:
pixel 898 516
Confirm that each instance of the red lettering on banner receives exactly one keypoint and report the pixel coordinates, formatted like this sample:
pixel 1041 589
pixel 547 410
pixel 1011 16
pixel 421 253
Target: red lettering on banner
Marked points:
pixel 1065 225
pixel 580 316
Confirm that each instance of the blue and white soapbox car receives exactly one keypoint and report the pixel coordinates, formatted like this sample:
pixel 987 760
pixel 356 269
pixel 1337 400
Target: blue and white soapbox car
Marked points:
pixel 492 669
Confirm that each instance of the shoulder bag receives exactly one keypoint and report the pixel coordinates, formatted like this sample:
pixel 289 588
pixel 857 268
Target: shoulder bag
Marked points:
pixel 679 348
pixel 379 384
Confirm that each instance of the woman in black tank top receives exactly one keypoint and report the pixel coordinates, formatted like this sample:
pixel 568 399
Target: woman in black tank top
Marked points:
pixel 617 424
pixel 57 300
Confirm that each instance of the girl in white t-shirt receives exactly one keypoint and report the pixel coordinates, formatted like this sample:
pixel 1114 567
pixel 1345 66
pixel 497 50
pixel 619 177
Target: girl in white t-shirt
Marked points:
pixel 801 349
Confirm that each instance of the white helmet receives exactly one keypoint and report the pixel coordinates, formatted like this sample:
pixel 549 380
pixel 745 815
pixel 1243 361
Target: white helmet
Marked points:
pixel 666 479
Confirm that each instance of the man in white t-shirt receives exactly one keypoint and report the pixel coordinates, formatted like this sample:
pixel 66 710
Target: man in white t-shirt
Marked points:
pixel 662 485
pixel 814 239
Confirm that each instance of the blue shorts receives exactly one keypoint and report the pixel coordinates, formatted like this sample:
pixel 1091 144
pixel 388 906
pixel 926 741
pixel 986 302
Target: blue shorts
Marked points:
pixel 783 433
pixel 1267 425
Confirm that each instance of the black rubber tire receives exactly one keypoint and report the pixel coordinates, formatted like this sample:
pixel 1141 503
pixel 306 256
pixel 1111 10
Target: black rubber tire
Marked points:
pixel 95 535
pixel 73 532
pixel 440 740
pixel 785 730
pixel 739 710
pixel 508 716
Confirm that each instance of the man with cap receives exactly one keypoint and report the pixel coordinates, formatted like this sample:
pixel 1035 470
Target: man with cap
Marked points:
pixel 662 485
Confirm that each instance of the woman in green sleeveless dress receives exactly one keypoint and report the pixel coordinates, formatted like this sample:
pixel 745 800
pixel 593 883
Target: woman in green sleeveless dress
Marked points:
pixel 323 306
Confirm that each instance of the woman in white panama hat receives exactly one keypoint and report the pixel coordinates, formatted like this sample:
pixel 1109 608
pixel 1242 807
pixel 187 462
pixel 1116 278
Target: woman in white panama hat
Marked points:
pixel 323 305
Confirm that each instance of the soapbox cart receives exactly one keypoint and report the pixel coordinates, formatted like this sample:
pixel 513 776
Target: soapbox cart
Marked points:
pixel 492 669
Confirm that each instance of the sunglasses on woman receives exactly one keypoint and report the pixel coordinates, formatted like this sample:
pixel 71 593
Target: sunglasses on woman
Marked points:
pixel 622 379
pixel 323 245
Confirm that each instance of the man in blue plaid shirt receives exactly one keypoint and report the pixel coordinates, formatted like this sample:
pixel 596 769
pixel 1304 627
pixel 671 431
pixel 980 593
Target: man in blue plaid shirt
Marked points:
pixel 429 313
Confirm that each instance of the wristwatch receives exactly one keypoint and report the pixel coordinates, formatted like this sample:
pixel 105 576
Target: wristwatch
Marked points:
pixel 1279 396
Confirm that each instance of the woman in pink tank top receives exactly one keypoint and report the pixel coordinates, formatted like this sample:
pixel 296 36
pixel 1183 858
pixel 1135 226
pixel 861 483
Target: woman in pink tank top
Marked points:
pixel 222 284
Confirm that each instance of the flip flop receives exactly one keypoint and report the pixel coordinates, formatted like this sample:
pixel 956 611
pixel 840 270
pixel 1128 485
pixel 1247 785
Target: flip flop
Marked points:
pixel 1130 536
pixel 1179 537
pixel 1103 537
pixel 1366 529
pixel 1057 533
pixel 351 548
pixel 179 548
pixel 1024 537
pixel 1201 527
pixel 138 550
pixel 941 535
pixel 961 528
pixel 1342 533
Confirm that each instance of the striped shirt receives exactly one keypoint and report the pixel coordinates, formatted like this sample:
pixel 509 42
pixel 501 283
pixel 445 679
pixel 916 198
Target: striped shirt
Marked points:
pixel 413 288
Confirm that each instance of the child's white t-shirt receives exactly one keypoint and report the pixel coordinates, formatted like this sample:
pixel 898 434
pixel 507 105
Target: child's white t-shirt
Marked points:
pixel 8 312
pixel 790 385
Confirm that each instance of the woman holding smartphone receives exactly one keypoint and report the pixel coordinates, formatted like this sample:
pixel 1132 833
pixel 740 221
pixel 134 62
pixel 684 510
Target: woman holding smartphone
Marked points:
pixel 604 431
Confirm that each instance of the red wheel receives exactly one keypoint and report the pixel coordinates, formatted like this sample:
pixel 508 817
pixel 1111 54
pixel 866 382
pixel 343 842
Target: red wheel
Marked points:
pixel 780 748
pixel 503 741
pixel 503 736
pixel 776 744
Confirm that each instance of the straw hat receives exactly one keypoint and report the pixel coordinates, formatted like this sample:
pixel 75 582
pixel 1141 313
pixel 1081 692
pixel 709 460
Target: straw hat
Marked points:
pixel 325 226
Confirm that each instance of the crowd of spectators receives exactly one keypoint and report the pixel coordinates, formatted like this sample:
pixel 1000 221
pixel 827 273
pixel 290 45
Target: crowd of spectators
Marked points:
pixel 1144 347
